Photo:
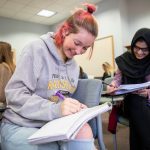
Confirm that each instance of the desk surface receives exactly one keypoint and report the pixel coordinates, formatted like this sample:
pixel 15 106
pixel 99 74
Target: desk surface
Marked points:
pixel 113 97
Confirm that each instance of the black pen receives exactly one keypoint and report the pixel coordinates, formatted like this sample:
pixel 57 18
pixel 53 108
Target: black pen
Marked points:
pixel 108 84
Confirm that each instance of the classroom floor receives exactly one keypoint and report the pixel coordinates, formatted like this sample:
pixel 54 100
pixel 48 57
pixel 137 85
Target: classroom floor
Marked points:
pixel 122 135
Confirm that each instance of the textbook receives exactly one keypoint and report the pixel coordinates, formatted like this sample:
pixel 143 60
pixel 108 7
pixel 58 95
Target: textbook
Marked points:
pixel 128 88
pixel 66 128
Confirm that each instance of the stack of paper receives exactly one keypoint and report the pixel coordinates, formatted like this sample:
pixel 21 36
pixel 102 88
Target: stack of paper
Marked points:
pixel 128 88
pixel 66 128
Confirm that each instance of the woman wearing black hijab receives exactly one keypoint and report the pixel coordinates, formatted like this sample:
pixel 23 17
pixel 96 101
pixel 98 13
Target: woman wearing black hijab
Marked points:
pixel 133 68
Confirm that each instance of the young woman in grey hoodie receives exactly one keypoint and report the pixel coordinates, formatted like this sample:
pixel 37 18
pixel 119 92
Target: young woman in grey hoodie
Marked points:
pixel 47 66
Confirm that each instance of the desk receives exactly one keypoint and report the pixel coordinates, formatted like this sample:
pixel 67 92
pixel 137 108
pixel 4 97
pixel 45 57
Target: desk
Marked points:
pixel 110 98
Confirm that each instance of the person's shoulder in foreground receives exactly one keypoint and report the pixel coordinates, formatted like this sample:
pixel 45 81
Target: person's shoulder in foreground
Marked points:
pixel 6 67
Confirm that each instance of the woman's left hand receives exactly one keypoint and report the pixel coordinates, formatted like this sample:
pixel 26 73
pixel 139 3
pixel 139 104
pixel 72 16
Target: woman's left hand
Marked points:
pixel 143 92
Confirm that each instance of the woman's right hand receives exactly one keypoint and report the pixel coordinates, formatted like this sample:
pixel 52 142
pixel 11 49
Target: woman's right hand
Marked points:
pixel 111 88
pixel 70 106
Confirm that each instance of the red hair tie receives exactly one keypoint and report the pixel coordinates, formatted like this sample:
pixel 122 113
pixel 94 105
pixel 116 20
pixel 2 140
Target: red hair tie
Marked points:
pixel 90 8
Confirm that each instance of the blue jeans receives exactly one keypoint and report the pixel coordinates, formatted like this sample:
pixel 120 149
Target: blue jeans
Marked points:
pixel 14 137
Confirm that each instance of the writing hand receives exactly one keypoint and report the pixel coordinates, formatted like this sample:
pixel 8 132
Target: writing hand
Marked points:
pixel 111 88
pixel 143 92
pixel 70 106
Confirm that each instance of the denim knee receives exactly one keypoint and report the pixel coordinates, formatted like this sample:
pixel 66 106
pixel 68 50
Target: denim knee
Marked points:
pixel 14 137
pixel 78 145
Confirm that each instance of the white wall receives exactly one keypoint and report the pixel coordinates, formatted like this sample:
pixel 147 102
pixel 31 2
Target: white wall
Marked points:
pixel 19 33
pixel 124 22
pixel 108 16
pixel 139 15
pixel 120 18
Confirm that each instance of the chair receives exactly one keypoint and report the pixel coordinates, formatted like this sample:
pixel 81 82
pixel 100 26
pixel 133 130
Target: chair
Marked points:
pixel 89 93
pixel 112 99
pixel 123 121
pixel 106 98
pixel 115 118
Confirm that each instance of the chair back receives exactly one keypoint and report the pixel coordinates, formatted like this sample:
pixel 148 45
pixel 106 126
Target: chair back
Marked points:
pixel 89 93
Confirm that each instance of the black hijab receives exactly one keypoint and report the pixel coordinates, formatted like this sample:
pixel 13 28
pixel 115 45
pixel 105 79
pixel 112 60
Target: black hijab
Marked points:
pixel 135 70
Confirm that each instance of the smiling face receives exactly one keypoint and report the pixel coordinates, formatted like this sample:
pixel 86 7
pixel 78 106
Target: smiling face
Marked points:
pixel 76 43
pixel 140 50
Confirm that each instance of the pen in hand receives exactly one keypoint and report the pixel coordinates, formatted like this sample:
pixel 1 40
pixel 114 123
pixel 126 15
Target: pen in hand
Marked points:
pixel 68 106
pixel 62 97
pixel 108 84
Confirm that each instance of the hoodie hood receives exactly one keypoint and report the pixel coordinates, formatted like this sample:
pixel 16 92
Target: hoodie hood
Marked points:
pixel 49 42
pixel 63 70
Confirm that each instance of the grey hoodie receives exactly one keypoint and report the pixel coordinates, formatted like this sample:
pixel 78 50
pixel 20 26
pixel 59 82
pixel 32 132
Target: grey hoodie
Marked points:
pixel 38 75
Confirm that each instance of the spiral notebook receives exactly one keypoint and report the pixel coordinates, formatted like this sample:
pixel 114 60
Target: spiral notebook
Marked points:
pixel 66 128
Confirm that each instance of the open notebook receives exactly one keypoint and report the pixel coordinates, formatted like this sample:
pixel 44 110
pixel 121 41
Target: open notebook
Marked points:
pixel 128 88
pixel 66 128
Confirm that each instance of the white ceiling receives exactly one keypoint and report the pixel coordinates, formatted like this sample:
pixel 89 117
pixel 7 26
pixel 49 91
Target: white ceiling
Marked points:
pixel 26 10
